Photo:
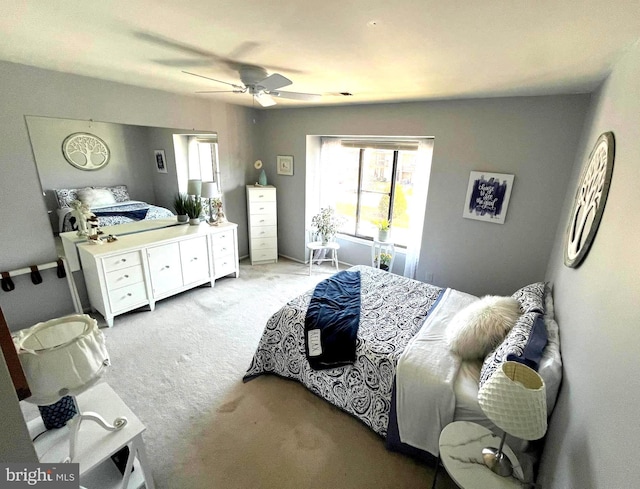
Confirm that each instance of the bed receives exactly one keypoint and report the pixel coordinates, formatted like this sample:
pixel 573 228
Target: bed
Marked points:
pixel 405 383
pixel 111 205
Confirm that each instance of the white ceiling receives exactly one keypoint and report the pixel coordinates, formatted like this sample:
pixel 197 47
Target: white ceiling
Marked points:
pixel 378 50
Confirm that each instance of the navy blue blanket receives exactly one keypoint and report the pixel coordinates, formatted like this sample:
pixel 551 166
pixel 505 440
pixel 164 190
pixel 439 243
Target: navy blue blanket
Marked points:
pixel 332 320
pixel 136 215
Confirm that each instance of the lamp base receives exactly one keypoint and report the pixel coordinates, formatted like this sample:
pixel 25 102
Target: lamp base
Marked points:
pixel 497 461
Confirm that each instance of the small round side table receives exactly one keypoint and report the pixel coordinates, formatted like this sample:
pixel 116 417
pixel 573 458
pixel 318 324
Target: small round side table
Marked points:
pixel 461 444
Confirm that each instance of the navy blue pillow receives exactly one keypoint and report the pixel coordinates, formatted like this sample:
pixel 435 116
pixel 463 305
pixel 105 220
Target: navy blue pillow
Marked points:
pixel 532 352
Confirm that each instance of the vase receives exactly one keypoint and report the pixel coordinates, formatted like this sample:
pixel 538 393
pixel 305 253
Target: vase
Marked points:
pixel 183 218
pixel 194 221
pixel 383 235
pixel 262 180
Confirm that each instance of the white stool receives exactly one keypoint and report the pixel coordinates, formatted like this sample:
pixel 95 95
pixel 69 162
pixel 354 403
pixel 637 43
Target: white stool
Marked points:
pixel 331 247
pixel 382 247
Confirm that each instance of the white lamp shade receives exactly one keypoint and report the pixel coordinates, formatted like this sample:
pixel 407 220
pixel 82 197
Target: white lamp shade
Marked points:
pixel 194 187
pixel 514 399
pixel 209 190
pixel 61 357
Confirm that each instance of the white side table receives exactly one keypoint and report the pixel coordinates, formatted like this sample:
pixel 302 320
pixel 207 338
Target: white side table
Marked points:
pixel 461 444
pixel 332 249
pixel 96 445
pixel 382 247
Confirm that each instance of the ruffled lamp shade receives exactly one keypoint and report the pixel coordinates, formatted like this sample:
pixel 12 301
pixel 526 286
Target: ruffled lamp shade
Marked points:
pixel 61 358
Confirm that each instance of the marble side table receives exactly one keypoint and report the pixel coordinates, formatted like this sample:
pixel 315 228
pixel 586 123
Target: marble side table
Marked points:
pixel 461 444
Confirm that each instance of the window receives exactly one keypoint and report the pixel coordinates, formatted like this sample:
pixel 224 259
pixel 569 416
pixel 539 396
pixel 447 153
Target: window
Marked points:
pixel 370 180
pixel 203 159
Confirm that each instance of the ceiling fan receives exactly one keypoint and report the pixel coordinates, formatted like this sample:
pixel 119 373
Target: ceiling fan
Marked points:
pixel 263 87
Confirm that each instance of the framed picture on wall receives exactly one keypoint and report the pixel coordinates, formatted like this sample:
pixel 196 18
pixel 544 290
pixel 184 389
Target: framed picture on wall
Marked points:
pixel 488 196
pixel 285 165
pixel 161 161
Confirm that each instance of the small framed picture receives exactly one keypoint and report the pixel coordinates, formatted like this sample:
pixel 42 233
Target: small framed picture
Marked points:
pixel 285 165
pixel 488 196
pixel 161 161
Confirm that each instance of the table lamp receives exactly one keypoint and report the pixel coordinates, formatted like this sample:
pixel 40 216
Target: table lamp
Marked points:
pixel 514 399
pixel 194 187
pixel 61 358
pixel 210 191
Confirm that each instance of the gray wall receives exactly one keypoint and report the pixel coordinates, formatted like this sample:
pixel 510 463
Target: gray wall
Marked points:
pixel 26 236
pixel 534 138
pixel 594 431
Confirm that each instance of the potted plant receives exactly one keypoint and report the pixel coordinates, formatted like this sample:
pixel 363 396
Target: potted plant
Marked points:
pixel 194 209
pixel 180 206
pixel 384 260
pixel 384 226
pixel 326 223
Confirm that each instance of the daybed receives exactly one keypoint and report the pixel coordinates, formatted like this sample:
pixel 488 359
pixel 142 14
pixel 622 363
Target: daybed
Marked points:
pixel 405 383
pixel 111 205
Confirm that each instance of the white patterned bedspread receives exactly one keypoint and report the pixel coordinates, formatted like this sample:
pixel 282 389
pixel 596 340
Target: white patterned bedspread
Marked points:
pixel 154 212
pixel 393 309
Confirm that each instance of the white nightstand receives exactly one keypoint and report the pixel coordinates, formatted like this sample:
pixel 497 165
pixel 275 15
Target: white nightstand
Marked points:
pixel 96 445
pixel 461 444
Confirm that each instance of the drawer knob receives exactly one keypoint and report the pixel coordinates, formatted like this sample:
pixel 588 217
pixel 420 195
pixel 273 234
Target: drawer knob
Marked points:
pixel 126 276
pixel 129 294
pixel 124 259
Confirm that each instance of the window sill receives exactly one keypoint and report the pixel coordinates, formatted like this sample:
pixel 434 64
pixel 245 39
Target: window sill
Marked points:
pixel 366 242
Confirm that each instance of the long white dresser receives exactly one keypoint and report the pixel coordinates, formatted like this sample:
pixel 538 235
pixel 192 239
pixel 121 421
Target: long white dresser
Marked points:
pixel 263 223
pixel 140 269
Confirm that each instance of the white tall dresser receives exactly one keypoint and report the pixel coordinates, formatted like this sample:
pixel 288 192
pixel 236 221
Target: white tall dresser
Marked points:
pixel 263 223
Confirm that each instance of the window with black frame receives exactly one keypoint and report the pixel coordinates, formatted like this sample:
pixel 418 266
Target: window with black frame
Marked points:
pixel 371 182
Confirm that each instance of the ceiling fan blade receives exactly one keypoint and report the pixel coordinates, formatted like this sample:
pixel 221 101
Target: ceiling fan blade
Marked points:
pixel 220 91
pixel 273 82
pixel 264 99
pixel 238 87
pixel 185 63
pixel 295 95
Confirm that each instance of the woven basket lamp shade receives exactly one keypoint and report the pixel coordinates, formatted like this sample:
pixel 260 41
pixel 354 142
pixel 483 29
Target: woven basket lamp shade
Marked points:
pixel 514 399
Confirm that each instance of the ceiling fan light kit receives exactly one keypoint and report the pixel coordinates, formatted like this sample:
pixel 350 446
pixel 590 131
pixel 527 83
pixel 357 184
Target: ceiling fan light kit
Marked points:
pixel 262 86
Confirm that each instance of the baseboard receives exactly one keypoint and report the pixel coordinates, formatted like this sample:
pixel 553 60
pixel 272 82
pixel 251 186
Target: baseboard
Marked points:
pixel 306 262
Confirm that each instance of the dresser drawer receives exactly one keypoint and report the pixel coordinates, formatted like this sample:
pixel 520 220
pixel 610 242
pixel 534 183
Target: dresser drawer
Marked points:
pixel 257 232
pixel 123 260
pixel 263 243
pixel 262 195
pixel 224 265
pixel 264 220
pixel 263 255
pixel 260 208
pixel 222 243
pixel 126 297
pixel 124 277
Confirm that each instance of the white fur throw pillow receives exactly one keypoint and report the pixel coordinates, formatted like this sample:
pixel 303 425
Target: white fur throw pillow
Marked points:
pixel 95 197
pixel 481 326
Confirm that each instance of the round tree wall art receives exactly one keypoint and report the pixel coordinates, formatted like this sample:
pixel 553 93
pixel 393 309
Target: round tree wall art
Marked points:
pixel 589 202
pixel 85 151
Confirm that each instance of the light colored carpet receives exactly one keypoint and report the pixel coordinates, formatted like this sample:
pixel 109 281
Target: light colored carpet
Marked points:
pixel 180 370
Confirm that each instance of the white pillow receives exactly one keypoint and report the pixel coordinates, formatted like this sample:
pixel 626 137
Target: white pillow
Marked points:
pixel 481 326
pixel 94 197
